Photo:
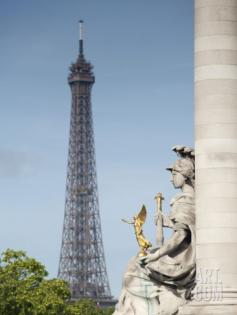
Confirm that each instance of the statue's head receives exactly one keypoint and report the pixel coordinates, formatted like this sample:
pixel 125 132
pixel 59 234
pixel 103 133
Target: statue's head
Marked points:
pixel 183 170
pixel 182 173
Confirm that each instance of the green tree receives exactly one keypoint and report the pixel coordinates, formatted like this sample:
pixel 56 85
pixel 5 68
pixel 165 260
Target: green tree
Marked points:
pixel 24 289
pixel 108 311
pixel 84 306
pixel 88 307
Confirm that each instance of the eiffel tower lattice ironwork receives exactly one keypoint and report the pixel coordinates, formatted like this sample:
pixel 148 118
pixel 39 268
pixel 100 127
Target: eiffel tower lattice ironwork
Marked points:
pixel 82 260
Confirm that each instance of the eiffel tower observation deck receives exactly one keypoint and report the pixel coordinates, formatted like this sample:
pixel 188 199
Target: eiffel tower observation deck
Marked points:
pixel 82 260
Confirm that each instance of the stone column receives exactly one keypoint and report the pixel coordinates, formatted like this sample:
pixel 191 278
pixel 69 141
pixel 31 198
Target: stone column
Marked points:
pixel 216 157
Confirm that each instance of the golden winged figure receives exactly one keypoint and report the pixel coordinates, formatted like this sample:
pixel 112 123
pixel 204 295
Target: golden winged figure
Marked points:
pixel 138 222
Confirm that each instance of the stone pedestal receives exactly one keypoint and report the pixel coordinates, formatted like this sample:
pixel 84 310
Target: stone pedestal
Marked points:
pixel 216 157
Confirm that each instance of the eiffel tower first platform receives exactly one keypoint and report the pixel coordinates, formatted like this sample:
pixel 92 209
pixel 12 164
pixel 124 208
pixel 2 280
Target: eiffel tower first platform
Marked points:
pixel 82 260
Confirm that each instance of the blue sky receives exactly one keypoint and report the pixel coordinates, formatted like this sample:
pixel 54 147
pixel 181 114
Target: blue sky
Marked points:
pixel 142 52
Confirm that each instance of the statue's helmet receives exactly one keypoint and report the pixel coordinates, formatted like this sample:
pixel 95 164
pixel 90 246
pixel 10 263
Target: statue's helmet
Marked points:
pixel 183 166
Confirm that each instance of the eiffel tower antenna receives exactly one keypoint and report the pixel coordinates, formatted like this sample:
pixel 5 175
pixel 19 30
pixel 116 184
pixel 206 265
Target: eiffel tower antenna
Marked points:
pixel 81 37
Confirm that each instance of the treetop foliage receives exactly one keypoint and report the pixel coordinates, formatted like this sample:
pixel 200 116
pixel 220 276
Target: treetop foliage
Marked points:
pixel 25 290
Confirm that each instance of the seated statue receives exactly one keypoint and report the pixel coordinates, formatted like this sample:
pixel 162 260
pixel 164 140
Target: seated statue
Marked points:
pixel 161 281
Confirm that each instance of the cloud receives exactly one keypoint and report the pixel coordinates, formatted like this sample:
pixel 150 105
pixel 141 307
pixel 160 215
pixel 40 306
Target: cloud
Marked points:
pixel 17 164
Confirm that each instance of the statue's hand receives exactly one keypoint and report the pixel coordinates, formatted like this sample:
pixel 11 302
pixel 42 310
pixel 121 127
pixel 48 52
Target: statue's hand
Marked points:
pixel 150 257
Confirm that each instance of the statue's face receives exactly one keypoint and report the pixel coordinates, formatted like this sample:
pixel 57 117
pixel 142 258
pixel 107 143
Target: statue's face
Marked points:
pixel 177 179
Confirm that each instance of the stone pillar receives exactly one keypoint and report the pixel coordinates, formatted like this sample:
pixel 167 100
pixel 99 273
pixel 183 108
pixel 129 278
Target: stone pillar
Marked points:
pixel 216 157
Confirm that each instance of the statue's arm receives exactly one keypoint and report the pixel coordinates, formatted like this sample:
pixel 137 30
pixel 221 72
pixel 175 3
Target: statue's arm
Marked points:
pixel 170 246
pixel 166 222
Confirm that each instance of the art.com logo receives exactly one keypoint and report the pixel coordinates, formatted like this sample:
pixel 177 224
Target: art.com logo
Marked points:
pixel 209 286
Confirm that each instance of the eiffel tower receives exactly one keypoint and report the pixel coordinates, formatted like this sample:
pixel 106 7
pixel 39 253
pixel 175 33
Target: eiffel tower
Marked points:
pixel 82 260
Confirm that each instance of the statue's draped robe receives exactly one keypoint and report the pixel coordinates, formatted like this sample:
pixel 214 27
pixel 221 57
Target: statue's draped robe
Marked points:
pixel 172 276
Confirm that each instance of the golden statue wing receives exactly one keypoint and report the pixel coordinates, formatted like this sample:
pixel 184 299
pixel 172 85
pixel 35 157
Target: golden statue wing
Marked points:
pixel 142 214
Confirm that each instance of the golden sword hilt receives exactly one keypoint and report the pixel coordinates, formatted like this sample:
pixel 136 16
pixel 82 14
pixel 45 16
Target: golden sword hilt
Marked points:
pixel 159 198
